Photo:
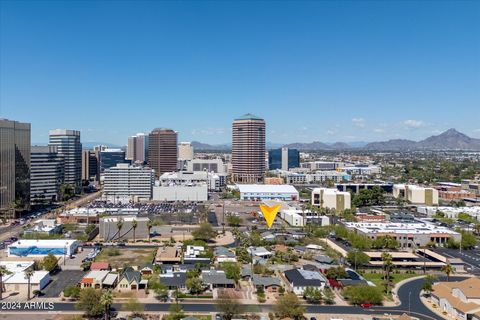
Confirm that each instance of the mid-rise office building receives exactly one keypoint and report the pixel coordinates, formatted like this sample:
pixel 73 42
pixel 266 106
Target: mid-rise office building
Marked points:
pixel 248 149
pixel 126 183
pixel 210 165
pixel 331 198
pixel 69 146
pixel 137 148
pixel 46 175
pixel 314 178
pixel 162 151
pixel 14 165
pixel 110 158
pixel 416 194
pixel 283 158
pixel 185 151
pixel 213 180
pixel 90 165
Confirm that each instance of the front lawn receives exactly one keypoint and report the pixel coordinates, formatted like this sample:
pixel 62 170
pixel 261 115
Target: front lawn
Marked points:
pixel 377 278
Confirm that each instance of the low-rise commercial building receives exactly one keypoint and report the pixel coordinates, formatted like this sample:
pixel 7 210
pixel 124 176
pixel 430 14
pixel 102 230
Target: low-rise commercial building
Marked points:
pixel 173 193
pixel 45 226
pixel 315 178
pixel 123 228
pixel 356 187
pixel 450 212
pixel 416 194
pixel 259 192
pixel 407 234
pixel 57 247
pixel 331 198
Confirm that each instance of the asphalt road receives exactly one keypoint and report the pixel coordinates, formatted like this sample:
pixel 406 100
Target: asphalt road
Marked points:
pixel 409 295
pixel 470 257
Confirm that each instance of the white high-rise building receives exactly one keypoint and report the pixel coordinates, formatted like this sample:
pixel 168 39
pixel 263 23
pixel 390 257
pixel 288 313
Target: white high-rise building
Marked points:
pixel 128 183
pixel 69 146
pixel 46 174
pixel 185 151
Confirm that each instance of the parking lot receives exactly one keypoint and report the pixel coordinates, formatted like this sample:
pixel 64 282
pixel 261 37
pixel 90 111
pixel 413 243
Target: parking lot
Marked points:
pixel 62 280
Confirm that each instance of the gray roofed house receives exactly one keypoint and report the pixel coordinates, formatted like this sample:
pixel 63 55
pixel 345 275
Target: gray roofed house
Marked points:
pixel 300 279
pixel 223 251
pixel 217 279
pixel 174 280
pixel 176 267
pixel 268 283
pixel 267 236
pixel 130 280
pixel 246 272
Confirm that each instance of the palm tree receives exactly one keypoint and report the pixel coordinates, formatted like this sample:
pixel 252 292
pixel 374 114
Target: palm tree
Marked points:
pixel 134 227
pixel 28 275
pixel 150 225
pixel 119 227
pixel 387 267
pixel 3 272
pixel 106 301
pixel 448 269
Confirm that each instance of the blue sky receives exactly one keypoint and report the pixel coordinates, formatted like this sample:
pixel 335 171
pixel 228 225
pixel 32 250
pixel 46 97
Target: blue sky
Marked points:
pixel 317 70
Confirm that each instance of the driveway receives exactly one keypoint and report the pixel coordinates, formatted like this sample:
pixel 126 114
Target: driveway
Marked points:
pixel 62 280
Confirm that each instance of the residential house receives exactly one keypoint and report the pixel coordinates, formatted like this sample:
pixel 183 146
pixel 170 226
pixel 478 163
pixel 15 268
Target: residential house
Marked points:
pixel 300 279
pixel 99 266
pixel 260 252
pixel 168 255
pixel 94 279
pixel 269 284
pixel 216 279
pixel 174 280
pixel 131 280
pixel 459 299
pixel 223 254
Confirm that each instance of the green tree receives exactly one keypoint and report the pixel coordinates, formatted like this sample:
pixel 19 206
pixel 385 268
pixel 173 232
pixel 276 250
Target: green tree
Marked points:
pixel 312 295
pixel 328 296
pixel 387 268
pixel 160 290
pixel 448 269
pixel 469 241
pixel 88 302
pixel 357 258
pixel 337 273
pixel 3 272
pixel 234 221
pixel 288 306
pixel 28 275
pixel 134 227
pixel 227 306
pixel 204 232
pixel 106 300
pixel 194 285
pixel 232 270
pixel 72 291
pixel 363 294
pixel 49 262
pixel 119 228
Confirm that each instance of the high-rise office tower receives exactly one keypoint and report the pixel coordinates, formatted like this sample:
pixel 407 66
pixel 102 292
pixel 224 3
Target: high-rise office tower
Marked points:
pixel 248 149
pixel 14 166
pixel 46 175
pixel 185 151
pixel 162 151
pixel 90 165
pixel 69 146
pixel 283 158
pixel 137 148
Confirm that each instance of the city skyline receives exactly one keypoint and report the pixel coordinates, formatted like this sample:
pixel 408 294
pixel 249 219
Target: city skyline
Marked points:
pixel 338 71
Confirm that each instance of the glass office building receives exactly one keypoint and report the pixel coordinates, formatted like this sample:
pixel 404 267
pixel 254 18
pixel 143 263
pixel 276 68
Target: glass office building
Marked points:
pixel 283 159
pixel 109 158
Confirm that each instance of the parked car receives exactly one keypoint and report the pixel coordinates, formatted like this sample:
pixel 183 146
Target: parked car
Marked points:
pixel 366 305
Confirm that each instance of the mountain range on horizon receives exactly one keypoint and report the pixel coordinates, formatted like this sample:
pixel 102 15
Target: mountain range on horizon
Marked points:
pixel 448 140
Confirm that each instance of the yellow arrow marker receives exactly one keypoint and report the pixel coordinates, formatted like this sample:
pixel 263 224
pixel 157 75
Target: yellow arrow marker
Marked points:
pixel 269 213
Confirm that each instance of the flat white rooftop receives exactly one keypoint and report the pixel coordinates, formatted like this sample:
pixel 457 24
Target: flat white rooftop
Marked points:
pixel 266 188
pixel 50 243
pixel 398 228
pixel 20 277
